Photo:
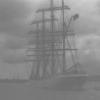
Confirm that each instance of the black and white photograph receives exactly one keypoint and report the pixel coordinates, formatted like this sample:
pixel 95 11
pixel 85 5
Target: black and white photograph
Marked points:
pixel 49 49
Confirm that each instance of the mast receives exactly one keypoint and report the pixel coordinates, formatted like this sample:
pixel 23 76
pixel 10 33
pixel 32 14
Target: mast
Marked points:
pixel 52 9
pixel 45 50
pixel 52 31
pixel 64 38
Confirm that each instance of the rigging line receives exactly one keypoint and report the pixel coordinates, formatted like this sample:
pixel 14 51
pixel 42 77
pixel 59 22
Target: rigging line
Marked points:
pixel 58 46
pixel 69 42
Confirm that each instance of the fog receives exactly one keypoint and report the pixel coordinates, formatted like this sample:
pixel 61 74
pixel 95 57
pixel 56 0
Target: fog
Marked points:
pixel 15 17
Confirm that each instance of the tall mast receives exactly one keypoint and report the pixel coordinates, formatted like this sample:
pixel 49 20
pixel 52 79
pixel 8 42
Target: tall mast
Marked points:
pixel 37 53
pixel 52 32
pixel 64 44
pixel 40 55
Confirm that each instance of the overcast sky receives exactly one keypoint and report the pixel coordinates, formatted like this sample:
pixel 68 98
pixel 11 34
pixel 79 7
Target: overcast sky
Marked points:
pixel 15 16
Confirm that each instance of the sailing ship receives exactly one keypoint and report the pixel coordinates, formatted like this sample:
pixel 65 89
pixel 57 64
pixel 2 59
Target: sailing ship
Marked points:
pixel 52 39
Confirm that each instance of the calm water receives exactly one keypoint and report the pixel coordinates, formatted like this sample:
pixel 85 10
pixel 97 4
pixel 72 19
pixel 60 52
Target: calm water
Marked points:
pixel 34 91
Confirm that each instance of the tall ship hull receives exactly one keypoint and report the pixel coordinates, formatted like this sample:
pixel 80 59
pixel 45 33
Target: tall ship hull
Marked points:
pixel 52 43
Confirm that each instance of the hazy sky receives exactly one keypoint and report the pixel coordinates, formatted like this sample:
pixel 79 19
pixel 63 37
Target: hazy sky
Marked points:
pixel 15 16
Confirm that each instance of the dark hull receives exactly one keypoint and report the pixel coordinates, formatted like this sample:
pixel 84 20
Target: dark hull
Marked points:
pixel 69 82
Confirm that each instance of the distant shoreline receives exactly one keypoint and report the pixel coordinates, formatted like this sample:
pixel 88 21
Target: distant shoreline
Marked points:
pixel 89 78
pixel 13 81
